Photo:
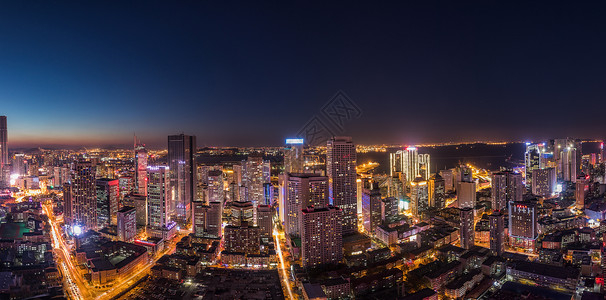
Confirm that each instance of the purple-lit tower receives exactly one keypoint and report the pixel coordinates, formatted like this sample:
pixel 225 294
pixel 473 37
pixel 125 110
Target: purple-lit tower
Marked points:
pixel 4 167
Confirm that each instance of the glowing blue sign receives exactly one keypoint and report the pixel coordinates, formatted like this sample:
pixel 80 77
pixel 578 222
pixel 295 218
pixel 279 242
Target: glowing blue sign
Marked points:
pixel 294 141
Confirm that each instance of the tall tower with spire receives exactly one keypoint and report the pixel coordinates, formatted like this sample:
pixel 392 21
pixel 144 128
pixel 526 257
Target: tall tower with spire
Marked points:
pixel 140 167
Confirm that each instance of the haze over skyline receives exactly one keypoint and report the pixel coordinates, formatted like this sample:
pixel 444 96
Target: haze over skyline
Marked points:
pixel 92 74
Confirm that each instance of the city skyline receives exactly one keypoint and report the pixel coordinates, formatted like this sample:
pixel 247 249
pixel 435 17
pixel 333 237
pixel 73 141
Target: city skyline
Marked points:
pixel 97 82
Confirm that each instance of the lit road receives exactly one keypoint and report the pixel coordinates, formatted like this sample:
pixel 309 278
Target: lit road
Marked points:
pixel 285 277
pixel 77 286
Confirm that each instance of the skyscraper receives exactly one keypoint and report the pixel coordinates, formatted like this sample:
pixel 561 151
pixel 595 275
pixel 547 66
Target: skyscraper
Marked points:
pixel 567 153
pixel 4 163
pixel 181 161
pixel 265 221
pixel 69 207
pixel 466 194
pixel 216 193
pixel 293 156
pixel 371 209
pixel 127 223
pixel 108 195
pixel 582 187
pixel 84 198
pixel 497 233
pixel 140 168
pixel 253 178
pixel 321 236
pixel 158 201
pixel 341 171
pixel 467 229
pixel 207 219
pixel 506 186
pixel 303 190
pixel 437 187
pixel 410 163
pixel 523 230
pixel 448 177
pixel 419 196
pixel 544 181
pixel 532 161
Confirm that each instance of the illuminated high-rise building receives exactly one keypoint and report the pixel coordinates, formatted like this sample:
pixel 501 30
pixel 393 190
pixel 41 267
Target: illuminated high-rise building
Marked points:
pixel 523 229
pixel 140 168
pixel 139 202
pixel 321 236
pixel 544 182
pixel 242 238
pixel 293 156
pixel 466 194
pixel 371 209
pixel 84 198
pixel 265 221
pixel 341 171
pixel 410 163
pixel 254 176
pixel 467 230
pixel 158 201
pixel 582 188
pixel 567 154
pixel 127 223
pixel 497 233
pixel 242 211
pixel 419 196
pixel 437 187
pixel 448 177
pixel 506 186
pixel 68 204
pixel 303 190
pixel 216 190
pixel 207 219
pixel 108 197
pixel 532 161
pixel 4 163
pixel 181 161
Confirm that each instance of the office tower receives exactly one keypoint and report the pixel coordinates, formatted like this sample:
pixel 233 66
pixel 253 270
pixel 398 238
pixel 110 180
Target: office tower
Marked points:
pixel 139 202
pixel 497 233
pixel 303 190
pixel 419 196
pixel 207 219
pixel 158 198
pixel 371 209
pixel 127 185
pixel 506 186
pixel 499 190
pixel 466 194
pixel 410 163
pixel 389 208
pixel 84 198
pixel 532 161
pixel 448 177
pixel 321 236
pixel 242 211
pixel 341 171
pixel 4 163
pixel 243 238
pixel 268 193
pixel 216 192
pixel 140 168
pixel 265 221
pixel 181 161
pixel 602 153
pixel 127 223
pixel 18 165
pixel 544 182
pixel 108 195
pixel 567 153
pixel 68 204
pixel 293 156
pixel 437 187
pixel 523 230
pixel 467 229
pixel 582 188
pixel 253 178
pixel 515 187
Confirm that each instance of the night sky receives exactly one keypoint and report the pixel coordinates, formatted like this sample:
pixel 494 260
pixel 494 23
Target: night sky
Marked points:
pixel 253 73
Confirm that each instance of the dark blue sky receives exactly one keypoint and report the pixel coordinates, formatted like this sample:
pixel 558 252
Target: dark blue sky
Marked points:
pixel 253 73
